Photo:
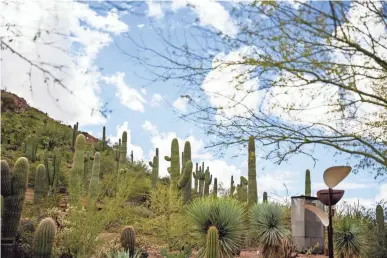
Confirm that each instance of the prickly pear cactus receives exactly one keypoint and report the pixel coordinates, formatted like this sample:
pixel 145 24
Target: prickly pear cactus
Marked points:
pixel 40 183
pixel 13 188
pixel 207 181
pixel 128 239
pixel 212 243
pixel 155 169
pixel 185 252
pixel 252 175
pixel 44 238
pixel 307 183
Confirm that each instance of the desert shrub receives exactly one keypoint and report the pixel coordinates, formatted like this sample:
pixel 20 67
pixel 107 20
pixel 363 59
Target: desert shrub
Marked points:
pixel 377 244
pixel 226 214
pixel 348 238
pixel 269 227
pixel 24 240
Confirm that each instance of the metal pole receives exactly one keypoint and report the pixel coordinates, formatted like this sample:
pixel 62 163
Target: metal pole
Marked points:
pixel 330 227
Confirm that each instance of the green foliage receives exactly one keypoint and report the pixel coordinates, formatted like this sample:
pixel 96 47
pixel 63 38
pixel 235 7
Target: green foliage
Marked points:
pixel 252 174
pixel 128 239
pixel 268 226
pixel 40 183
pixel 226 214
pixel 44 238
pixel 308 190
pixel 13 187
pixel 24 242
pixel 185 252
pixel 212 244
pixel 124 254
pixel 31 147
pixel 348 238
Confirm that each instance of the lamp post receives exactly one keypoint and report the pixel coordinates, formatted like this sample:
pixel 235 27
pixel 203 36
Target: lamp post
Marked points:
pixel 329 197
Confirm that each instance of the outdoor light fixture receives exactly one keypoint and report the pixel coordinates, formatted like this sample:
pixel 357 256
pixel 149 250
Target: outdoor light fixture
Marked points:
pixel 332 177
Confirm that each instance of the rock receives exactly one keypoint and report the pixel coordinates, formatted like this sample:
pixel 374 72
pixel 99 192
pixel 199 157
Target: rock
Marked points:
pixel 294 254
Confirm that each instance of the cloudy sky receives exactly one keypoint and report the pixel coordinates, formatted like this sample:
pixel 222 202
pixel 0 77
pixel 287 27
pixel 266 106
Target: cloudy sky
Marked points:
pixel 76 42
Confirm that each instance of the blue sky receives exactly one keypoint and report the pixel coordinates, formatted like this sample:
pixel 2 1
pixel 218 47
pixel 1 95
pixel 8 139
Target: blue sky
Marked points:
pixel 147 111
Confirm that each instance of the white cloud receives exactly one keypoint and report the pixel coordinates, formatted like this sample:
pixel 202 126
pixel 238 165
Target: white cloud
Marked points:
pixel 156 99
pixel 143 91
pixel 138 153
pixel 162 140
pixel 140 26
pixel 210 13
pixel 129 97
pixel 229 85
pixel 154 10
pixel 181 104
pixel 68 43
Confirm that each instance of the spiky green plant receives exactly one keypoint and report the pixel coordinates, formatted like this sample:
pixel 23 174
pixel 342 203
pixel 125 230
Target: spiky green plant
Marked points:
pixel 155 168
pixel 212 244
pixel 77 170
pixel 94 181
pixel 187 189
pixel 308 190
pixel 215 189
pixel 264 197
pixel 40 183
pixel 232 186
pixel 44 238
pixel 252 174
pixel 380 217
pixel 348 239
pixel 128 239
pixel 226 214
pixel 185 252
pixel 13 188
pixel 269 227
pixel 124 254
pixel 207 181
pixel 123 150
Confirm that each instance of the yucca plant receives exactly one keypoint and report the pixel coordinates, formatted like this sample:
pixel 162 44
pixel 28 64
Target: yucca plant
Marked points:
pixel 124 254
pixel 269 228
pixel 348 238
pixel 226 214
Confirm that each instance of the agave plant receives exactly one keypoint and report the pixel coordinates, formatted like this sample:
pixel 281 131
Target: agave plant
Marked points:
pixel 348 238
pixel 227 215
pixel 268 226
pixel 124 254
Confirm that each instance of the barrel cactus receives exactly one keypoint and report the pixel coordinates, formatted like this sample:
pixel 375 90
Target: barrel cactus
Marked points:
pixel 155 168
pixel 252 175
pixel 212 243
pixel 13 188
pixel 207 181
pixel 128 239
pixel 40 183
pixel 307 183
pixel 44 238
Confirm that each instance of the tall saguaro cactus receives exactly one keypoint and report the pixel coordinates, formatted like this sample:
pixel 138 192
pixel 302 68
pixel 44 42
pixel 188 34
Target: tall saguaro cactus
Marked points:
pixel 215 189
pixel 201 177
pixel 103 138
pixel 242 189
pixel 207 181
pixel 75 134
pixel 252 174
pixel 232 186
pixel 187 192
pixel 13 188
pixel 31 148
pixel 94 181
pixel 195 176
pixel 155 168
pixel 308 190
pixel 123 151
pixel 212 243
pixel 53 169
pixel 44 238
pixel 380 217
pixel 40 183
pixel 264 197
pixel 77 170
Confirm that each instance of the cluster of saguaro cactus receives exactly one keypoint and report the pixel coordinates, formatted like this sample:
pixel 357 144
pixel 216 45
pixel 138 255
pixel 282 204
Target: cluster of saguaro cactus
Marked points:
pixel 128 240
pixel 40 183
pixel 207 181
pixel 380 217
pixel 94 180
pixel 13 188
pixel 155 168
pixel 264 197
pixel 242 189
pixel 53 169
pixel 215 188
pixel 44 238
pixel 178 181
pixel 252 175
pixel 212 243
pixel 31 148
pixel 232 186
pixel 75 134
pixel 308 189
pixel 76 182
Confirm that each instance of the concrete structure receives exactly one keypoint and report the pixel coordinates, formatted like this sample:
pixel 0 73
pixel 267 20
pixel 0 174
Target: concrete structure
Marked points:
pixel 307 229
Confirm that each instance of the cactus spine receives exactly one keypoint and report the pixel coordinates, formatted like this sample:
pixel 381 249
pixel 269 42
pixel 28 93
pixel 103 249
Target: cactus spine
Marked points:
pixel 40 183
pixel 252 174
pixel 307 183
pixel 123 151
pixel 13 188
pixel 94 181
pixel 207 181
pixel 232 186
pixel 215 190
pixel 128 239
pixel 155 168
pixel 212 243
pixel 187 157
pixel 264 197
pixel 44 238
pixel 195 176
pixel 380 217
pixel 77 170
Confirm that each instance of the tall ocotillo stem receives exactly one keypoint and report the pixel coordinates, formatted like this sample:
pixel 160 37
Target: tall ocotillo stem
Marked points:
pixel 252 175
pixel 307 183
pixel 13 188
pixel 155 168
